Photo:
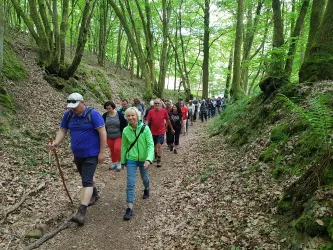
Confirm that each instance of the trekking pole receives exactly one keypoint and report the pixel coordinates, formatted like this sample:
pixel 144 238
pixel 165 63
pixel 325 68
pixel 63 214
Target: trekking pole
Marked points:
pixel 60 171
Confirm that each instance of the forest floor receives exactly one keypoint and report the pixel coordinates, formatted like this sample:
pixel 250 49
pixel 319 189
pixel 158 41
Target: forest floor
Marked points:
pixel 208 196
pixel 201 198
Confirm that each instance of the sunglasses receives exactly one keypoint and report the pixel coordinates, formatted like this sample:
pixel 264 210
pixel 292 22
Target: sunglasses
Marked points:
pixel 72 101
pixel 156 103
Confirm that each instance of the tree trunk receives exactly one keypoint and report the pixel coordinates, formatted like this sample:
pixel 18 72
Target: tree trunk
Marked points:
pixel 319 62
pixel 293 43
pixel 227 84
pixel 136 47
pixel 278 39
pixel 120 36
pixel 2 31
pixel 43 41
pixel 82 39
pixel 236 91
pixel 318 7
pixel 248 41
pixel 205 63
pixel 275 72
pixel 166 9
pixel 57 47
pixel 103 12
pixel 63 30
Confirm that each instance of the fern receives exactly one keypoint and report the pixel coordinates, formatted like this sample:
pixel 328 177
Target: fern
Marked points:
pixel 318 116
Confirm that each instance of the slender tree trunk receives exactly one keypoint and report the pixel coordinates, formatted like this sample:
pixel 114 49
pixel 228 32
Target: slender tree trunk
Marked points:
pixel 318 64
pixel 103 11
pixel 57 49
pixel 275 72
pixel 2 31
pixel 248 41
pixel 236 88
pixel 184 72
pixel 166 9
pixel 278 39
pixel 136 47
pixel 120 36
pixel 318 7
pixel 82 39
pixel 205 63
pixel 228 81
pixel 292 20
pixel 294 39
pixel 63 30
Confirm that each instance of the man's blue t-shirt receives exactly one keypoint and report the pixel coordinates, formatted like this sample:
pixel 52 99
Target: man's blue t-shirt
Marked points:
pixel 85 140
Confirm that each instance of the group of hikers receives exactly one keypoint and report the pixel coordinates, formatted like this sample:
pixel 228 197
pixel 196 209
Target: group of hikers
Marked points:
pixel 134 136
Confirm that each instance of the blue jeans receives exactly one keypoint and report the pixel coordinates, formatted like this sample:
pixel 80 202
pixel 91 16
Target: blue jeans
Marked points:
pixel 131 178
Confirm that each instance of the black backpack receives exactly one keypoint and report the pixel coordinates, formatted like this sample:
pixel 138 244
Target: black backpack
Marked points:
pixel 88 115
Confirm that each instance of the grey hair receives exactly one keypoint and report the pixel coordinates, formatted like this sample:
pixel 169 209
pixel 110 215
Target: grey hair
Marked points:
pixel 137 112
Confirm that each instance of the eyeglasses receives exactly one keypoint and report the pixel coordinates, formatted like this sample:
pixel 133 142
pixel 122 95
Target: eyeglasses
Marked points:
pixel 156 103
pixel 72 101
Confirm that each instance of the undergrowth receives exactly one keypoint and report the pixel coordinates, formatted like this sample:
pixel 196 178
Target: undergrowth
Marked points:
pixel 13 68
pixel 300 124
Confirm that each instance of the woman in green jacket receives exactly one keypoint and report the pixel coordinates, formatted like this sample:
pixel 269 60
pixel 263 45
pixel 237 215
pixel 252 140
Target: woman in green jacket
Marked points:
pixel 137 151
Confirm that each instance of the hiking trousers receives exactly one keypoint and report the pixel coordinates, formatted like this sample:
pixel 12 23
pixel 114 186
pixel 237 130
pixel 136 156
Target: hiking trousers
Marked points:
pixel 115 148
pixel 131 167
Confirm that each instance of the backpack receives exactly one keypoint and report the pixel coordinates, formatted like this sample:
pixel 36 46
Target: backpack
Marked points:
pixel 88 115
pixel 218 103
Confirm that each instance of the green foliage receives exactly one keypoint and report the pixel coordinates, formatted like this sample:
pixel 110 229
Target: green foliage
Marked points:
pixel 6 109
pixel 269 154
pixel 284 206
pixel 228 117
pixel 12 66
pixel 280 133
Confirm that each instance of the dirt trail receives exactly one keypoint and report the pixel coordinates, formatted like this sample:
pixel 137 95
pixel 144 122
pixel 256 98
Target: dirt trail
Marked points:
pixel 105 228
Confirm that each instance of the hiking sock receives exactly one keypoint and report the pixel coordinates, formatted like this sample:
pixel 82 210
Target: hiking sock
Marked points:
pixel 130 206
pixel 95 193
pixel 83 208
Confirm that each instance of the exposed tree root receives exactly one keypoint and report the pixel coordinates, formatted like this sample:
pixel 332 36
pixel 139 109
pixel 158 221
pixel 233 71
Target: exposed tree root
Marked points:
pixel 48 236
pixel 17 205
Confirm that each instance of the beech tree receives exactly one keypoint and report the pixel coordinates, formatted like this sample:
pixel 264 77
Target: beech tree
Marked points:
pixel 237 91
pixel 2 29
pixel 43 24
pixel 318 63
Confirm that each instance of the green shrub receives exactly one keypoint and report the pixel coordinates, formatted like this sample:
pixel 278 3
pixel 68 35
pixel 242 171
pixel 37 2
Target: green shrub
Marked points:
pixel 269 154
pixel 280 133
pixel 284 206
pixel 13 68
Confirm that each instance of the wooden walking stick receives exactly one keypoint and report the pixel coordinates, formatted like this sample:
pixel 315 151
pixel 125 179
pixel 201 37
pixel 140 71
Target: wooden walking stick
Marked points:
pixel 60 171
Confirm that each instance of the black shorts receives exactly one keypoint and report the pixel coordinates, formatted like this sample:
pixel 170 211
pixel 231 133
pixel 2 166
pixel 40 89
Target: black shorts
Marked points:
pixel 158 139
pixel 86 167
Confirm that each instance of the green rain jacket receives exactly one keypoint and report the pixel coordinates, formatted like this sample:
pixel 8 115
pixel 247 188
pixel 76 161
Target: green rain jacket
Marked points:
pixel 143 149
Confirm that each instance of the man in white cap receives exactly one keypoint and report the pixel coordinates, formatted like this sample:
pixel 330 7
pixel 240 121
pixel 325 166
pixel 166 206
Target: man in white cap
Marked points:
pixel 88 143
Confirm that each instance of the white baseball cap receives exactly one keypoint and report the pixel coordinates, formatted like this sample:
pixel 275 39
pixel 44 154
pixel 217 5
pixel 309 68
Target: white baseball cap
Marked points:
pixel 151 103
pixel 74 100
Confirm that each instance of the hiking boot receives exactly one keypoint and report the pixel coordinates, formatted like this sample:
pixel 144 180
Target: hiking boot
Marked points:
pixel 128 214
pixel 171 148
pixel 175 151
pixel 93 200
pixel 145 194
pixel 80 215
pixel 159 162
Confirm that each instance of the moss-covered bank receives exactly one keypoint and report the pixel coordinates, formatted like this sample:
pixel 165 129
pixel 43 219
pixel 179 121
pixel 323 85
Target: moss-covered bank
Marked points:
pixel 296 124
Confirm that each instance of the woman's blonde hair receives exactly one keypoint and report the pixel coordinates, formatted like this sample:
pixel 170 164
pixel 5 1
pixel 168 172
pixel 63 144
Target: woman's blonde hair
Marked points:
pixel 137 112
